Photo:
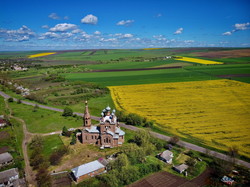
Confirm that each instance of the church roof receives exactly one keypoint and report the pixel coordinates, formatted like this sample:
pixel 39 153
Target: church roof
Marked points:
pixel 92 129
pixel 119 131
pixel 110 132
pixel 87 168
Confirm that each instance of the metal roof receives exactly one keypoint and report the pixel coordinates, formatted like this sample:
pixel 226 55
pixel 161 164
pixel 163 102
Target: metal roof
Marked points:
pixel 9 175
pixel 5 157
pixel 92 129
pixel 119 131
pixel 87 168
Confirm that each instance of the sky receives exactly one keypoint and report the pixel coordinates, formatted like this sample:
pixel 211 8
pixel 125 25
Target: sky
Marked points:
pixel 89 24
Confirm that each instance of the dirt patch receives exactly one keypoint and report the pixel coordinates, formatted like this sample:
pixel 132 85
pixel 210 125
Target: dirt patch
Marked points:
pixel 182 64
pixel 203 179
pixel 233 75
pixel 225 54
pixel 163 179
pixel 4 135
pixel 4 149
pixel 61 180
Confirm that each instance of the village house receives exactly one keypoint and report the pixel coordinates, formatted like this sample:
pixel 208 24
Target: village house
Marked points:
pixel 9 178
pixel 87 170
pixel 166 156
pixel 3 122
pixel 5 159
pixel 181 168
pixel 107 134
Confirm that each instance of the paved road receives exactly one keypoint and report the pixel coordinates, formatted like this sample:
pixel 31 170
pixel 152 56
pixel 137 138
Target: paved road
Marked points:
pixel 157 135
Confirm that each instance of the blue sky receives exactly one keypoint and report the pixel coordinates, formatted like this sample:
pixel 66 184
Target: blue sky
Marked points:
pixel 81 24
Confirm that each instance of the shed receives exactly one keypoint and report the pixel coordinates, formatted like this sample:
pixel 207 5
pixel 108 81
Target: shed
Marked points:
pixel 5 159
pixel 2 122
pixel 166 156
pixel 87 170
pixel 9 177
pixel 180 168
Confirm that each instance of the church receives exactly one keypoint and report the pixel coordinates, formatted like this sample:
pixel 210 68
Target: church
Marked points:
pixel 107 134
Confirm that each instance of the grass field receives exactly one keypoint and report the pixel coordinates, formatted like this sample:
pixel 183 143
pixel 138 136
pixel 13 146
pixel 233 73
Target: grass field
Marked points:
pixel 205 111
pixel 43 121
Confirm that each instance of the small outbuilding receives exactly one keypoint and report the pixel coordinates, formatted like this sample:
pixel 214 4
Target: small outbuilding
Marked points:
pixel 166 156
pixel 227 180
pixel 181 168
pixel 5 159
pixel 3 122
pixel 9 177
pixel 87 170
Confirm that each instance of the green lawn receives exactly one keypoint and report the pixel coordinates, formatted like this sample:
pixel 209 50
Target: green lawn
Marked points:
pixel 43 121
pixel 50 144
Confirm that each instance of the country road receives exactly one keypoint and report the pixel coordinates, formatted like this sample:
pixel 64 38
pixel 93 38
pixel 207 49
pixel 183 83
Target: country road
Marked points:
pixel 157 135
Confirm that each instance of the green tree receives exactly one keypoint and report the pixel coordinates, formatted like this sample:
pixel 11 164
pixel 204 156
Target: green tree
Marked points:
pixel 142 137
pixel 121 161
pixel 174 140
pixel 73 139
pixel 10 100
pixel 64 131
pixel 67 112
pixel 43 178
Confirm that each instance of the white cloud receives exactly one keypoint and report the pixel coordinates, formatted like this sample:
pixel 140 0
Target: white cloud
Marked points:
pixel 242 26
pixel 77 31
pixel 228 33
pixel 125 22
pixel 45 26
pixel 54 16
pixel 97 32
pixel 178 31
pixel 158 15
pixel 22 34
pixel 62 27
pixel 127 36
pixel 66 17
pixel 49 35
pixel 237 27
pixel 90 19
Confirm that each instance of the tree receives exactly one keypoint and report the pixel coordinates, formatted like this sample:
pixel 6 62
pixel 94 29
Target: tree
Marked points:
pixel 64 131
pixel 73 139
pixel 191 162
pixel 142 137
pixel 35 108
pixel 67 112
pixel 233 151
pixel 19 101
pixel 43 178
pixel 121 161
pixel 174 140
pixel 10 100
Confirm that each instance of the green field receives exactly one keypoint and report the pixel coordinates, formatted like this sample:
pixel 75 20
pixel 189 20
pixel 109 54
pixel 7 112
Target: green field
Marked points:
pixel 138 77
pixel 43 121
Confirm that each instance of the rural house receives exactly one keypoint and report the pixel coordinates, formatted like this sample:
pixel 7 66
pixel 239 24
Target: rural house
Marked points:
pixel 9 178
pixel 3 122
pixel 107 134
pixel 5 159
pixel 87 170
pixel 166 156
pixel 180 168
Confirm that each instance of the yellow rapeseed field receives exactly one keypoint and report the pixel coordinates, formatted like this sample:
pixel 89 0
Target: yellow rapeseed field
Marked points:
pixel 215 112
pixel 40 54
pixel 196 60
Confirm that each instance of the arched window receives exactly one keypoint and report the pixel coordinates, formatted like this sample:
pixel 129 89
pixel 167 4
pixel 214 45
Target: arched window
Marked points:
pixel 107 140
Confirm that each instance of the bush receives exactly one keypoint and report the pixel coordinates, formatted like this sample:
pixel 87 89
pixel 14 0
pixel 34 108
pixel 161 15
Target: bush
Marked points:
pixel 67 112
pixel 10 100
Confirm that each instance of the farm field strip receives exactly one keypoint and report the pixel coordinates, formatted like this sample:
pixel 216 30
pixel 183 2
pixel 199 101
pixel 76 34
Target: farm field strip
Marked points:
pixel 196 60
pixel 41 55
pixel 215 112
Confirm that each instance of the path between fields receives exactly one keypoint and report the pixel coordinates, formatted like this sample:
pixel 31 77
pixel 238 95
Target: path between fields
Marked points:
pixel 29 174
pixel 157 135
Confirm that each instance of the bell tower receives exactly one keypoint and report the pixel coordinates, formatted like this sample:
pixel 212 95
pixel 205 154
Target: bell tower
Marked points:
pixel 86 116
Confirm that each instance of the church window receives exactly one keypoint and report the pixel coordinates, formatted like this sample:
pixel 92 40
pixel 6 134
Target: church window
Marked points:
pixel 107 140
pixel 86 122
pixel 92 137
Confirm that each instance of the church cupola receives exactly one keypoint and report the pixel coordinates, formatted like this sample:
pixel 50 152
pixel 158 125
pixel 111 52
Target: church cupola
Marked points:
pixel 86 116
